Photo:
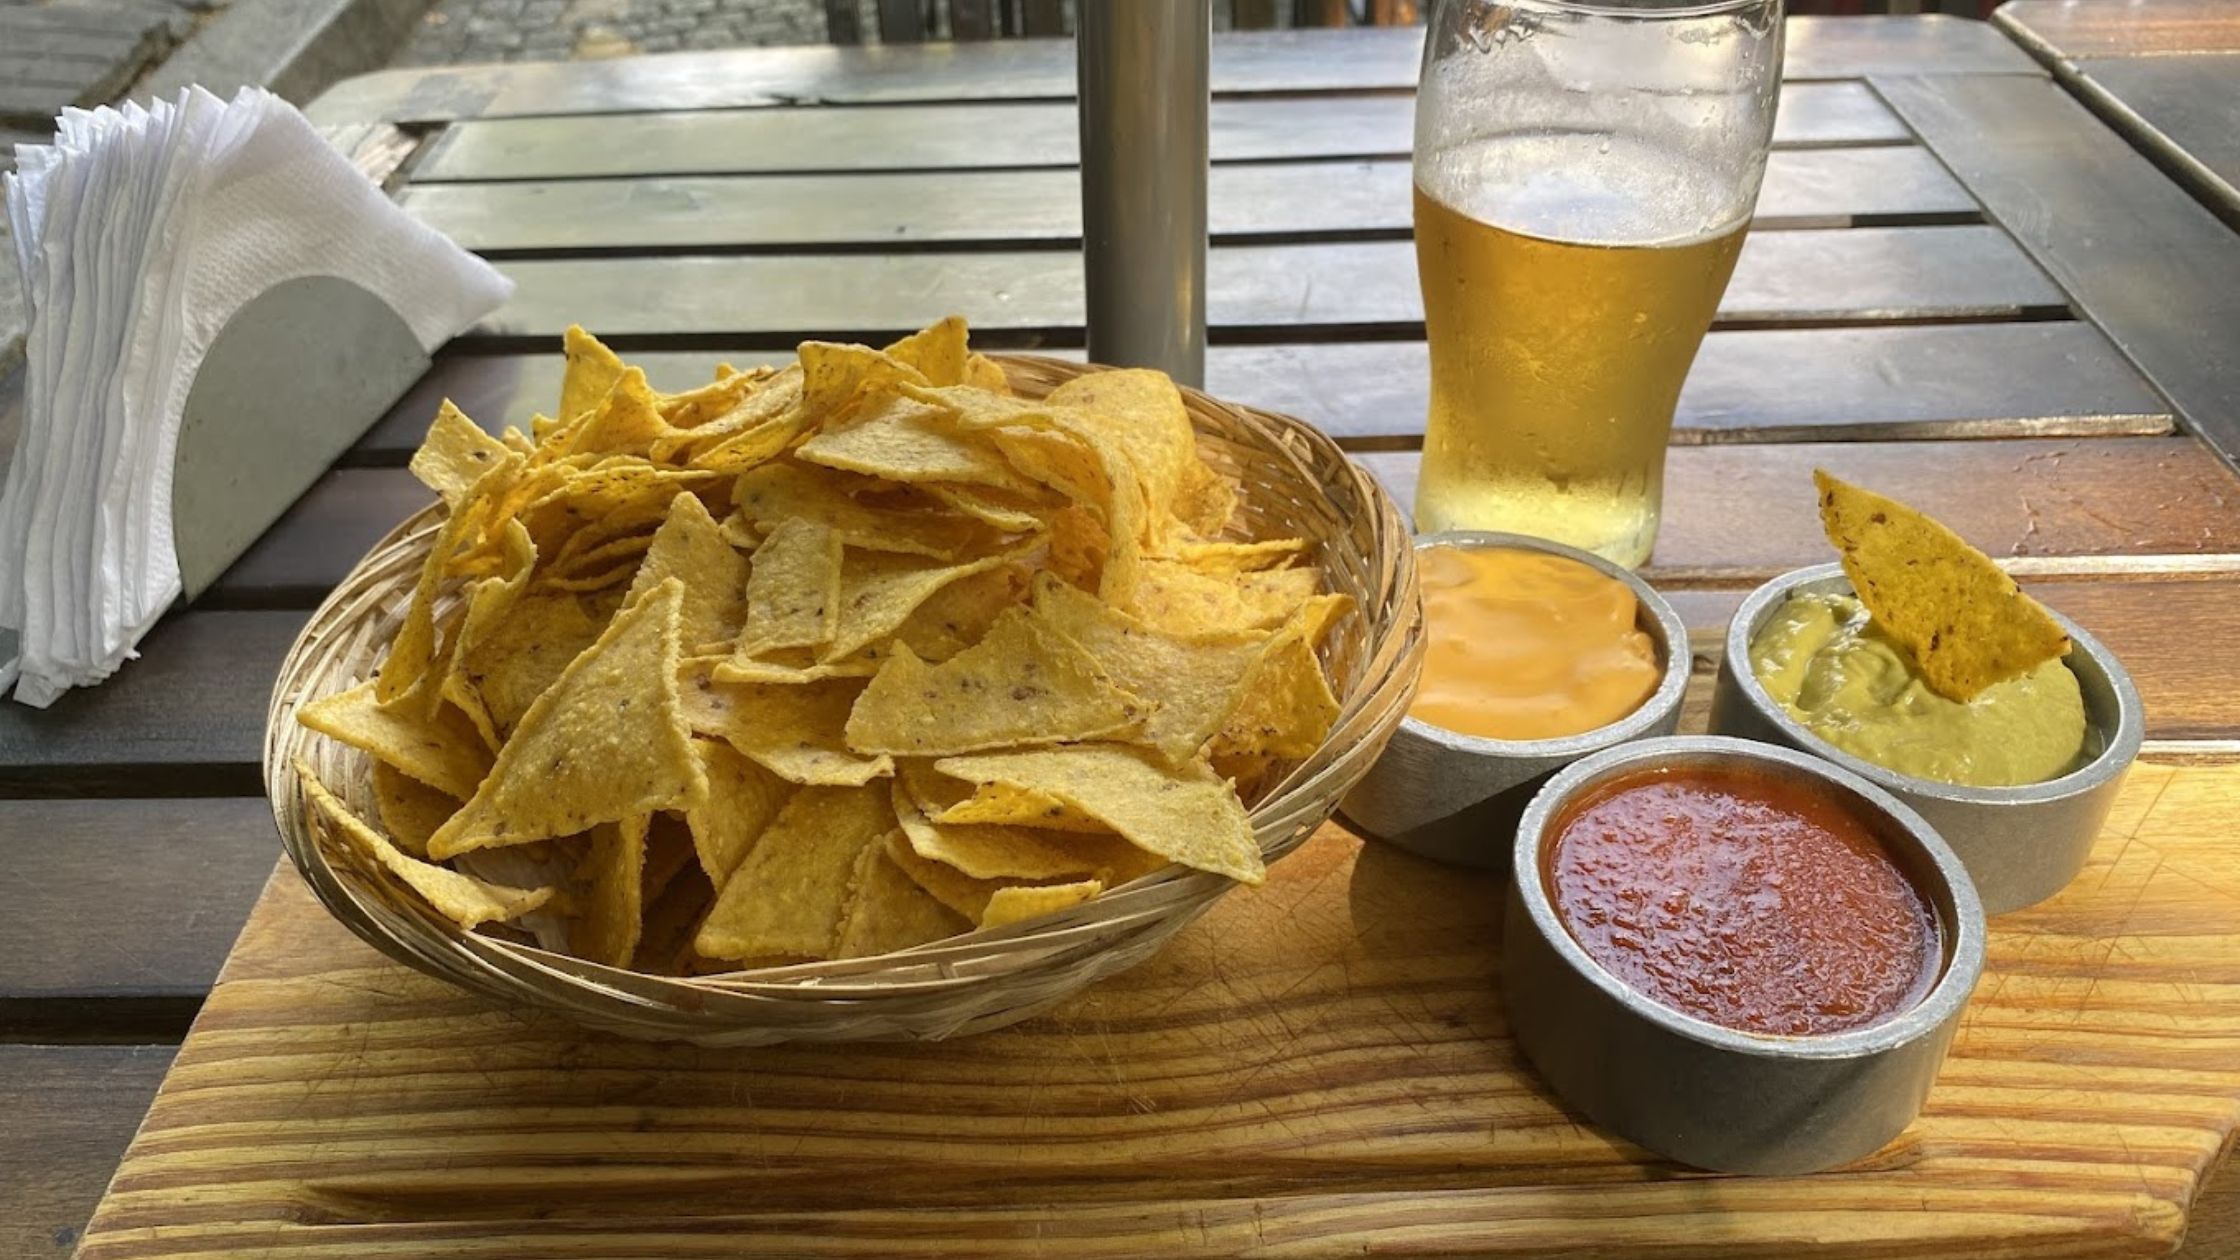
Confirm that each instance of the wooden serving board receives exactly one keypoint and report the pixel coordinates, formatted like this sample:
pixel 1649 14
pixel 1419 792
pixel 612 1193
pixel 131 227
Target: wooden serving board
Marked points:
pixel 1317 1068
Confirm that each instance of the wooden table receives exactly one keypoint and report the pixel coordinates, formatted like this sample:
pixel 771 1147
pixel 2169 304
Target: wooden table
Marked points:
pixel 2165 73
pixel 1964 288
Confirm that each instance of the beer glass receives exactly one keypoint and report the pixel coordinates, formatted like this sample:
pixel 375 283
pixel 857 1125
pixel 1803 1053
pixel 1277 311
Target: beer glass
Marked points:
pixel 1584 173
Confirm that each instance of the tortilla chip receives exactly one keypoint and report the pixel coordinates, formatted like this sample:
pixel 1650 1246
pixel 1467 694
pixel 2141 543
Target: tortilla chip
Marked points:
pixel 513 660
pixel 761 428
pixel 791 670
pixel 1287 706
pixel 626 422
pixel 1023 684
pixel 788 894
pixel 880 590
pixel 1027 901
pixel 1011 512
pixel 696 407
pixel 783 491
pixel 795 731
pixel 995 852
pixel 410 810
pixel 455 455
pixel 585 555
pixel 1208 499
pixel 835 374
pixel 613 910
pixel 690 548
pixel 606 741
pixel 441 749
pixel 407 668
pixel 1140 413
pixel 592 370
pixel 960 614
pixel 905 440
pixel 1187 815
pixel 1003 805
pixel 890 912
pixel 463 899
pixel 982 372
pixel 1176 597
pixel 742 799
pixel 938 351
pixel 1226 559
pixel 1965 621
pixel 1199 681
pixel 793 592
pixel 946 884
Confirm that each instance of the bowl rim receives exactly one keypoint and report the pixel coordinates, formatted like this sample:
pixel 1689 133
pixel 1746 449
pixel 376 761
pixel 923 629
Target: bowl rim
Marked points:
pixel 1966 925
pixel 2121 742
pixel 1653 611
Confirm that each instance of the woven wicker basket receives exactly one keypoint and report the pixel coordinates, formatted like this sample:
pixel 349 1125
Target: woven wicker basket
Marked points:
pixel 1296 483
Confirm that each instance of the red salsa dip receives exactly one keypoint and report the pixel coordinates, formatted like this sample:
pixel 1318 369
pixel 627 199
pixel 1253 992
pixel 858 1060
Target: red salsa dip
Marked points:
pixel 1754 901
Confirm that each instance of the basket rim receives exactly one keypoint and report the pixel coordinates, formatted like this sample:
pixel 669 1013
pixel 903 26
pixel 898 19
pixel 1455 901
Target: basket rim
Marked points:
pixel 1154 904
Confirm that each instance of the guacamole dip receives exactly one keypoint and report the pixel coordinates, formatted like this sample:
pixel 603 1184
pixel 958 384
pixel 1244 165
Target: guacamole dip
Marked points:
pixel 1835 671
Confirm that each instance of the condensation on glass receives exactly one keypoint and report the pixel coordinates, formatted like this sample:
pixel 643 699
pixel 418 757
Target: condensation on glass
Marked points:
pixel 1584 176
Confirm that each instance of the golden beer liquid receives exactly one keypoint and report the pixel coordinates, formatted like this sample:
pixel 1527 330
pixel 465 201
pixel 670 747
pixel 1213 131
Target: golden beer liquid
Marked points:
pixel 1555 367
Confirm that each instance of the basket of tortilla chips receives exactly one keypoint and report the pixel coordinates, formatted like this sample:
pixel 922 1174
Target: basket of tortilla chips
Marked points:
pixel 889 694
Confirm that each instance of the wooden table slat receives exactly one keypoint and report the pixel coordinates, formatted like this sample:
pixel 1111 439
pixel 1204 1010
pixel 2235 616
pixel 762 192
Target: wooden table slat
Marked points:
pixel 2086 28
pixel 2035 497
pixel 2183 109
pixel 125 898
pixel 907 210
pixel 2151 266
pixel 1857 275
pixel 187 718
pixel 1374 59
pixel 780 139
pixel 331 1102
pixel 1754 385
pixel 1740 512
pixel 70 1111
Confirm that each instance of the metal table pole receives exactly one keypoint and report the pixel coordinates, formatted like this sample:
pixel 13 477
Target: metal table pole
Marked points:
pixel 1144 85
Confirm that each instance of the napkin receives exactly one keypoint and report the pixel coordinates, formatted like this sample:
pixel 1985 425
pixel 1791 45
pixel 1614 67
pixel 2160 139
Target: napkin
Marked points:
pixel 139 233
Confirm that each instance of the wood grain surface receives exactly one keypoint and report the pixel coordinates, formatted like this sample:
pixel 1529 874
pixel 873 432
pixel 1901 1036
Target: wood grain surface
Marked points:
pixel 67 1112
pixel 983 135
pixel 896 211
pixel 1741 511
pixel 2058 378
pixel 1374 59
pixel 2088 28
pixel 108 899
pixel 187 718
pixel 1857 275
pixel 1315 1068
pixel 2155 269
pixel 1733 513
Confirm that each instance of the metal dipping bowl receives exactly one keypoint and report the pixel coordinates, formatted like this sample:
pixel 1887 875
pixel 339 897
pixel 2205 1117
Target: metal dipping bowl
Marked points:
pixel 1702 1093
pixel 2021 845
pixel 1457 797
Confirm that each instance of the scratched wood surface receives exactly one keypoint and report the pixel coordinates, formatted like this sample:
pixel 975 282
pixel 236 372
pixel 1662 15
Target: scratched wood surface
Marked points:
pixel 1316 1068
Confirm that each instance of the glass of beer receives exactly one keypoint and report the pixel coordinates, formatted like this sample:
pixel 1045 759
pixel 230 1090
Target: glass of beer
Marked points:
pixel 1584 173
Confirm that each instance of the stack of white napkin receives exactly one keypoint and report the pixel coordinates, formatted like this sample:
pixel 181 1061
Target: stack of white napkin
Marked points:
pixel 139 234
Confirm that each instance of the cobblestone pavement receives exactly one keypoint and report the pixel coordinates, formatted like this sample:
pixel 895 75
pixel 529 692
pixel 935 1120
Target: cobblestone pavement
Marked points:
pixel 59 53
pixel 457 31
pixel 559 30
